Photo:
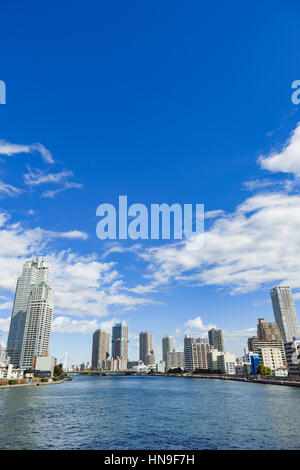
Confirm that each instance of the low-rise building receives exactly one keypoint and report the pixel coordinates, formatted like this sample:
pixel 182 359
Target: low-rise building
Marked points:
pixel 43 365
pixel 160 368
pixel 9 372
pixel 271 357
pixel 150 359
pixel 254 358
pixel 247 364
pixel 292 351
pixel 226 363
pixel 117 364
pixel 281 372
pixel 257 345
pixel 212 359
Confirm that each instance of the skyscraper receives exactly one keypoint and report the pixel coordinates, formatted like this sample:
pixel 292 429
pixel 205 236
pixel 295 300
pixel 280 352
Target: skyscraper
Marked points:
pixel 267 331
pixel 100 350
pixel 285 313
pixel 203 349
pixel 215 337
pixel 120 341
pixel 35 273
pixel 38 323
pixel 168 345
pixel 146 345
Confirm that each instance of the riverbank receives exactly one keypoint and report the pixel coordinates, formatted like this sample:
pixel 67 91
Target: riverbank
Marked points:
pixel 35 384
pixel 289 383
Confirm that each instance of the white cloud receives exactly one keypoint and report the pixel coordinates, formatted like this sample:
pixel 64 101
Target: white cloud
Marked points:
pixel 63 324
pixel 239 336
pixel 254 246
pixel 4 324
pixel 84 287
pixel 6 305
pixel 68 325
pixel 259 184
pixel 72 234
pixel 213 214
pixel 108 324
pixel 116 247
pixel 235 341
pixel 37 177
pixel 287 160
pixel 8 149
pixel 7 190
pixel 68 185
pixel 196 324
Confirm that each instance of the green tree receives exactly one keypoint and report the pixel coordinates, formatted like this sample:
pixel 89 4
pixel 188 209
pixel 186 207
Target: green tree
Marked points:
pixel 58 371
pixel 263 370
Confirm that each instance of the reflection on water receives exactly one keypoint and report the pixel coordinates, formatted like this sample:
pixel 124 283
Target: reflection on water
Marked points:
pixel 150 413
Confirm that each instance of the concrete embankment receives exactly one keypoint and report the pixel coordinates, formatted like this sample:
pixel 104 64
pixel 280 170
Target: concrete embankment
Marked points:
pixel 289 383
pixel 36 384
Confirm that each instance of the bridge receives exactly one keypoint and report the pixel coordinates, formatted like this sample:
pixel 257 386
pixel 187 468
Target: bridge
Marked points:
pixel 105 373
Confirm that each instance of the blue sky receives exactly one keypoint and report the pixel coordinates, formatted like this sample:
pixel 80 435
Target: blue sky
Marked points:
pixel 163 102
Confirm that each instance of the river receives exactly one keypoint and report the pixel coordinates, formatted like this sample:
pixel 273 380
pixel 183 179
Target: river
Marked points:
pixel 150 413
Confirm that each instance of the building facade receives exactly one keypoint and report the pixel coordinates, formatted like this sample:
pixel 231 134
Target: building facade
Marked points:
pixel 145 344
pixel 257 345
pixel 168 345
pixel 190 355
pixel 212 359
pixel 268 331
pixel 114 364
pixel 203 349
pixel 226 363
pixel 195 353
pixel 38 325
pixel 175 359
pixel 215 338
pixel 271 357
pixel 34 272
pixel 285 313
pixel 100 350
pixel 44 365
pixel 150 359
pixel 292 352
pixel 120 341
pixel 254 359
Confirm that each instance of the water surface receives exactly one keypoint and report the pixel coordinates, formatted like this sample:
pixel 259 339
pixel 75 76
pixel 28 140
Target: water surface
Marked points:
pixel 150 413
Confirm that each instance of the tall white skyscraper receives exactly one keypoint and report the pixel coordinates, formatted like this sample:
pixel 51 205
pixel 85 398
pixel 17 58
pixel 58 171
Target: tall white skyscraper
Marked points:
pixel 31 321
pixel 285 313
pixel 168 345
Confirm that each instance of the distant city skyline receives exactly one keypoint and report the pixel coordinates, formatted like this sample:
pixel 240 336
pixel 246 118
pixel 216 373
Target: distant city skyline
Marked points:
pixel 34 303
pixel 274 346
